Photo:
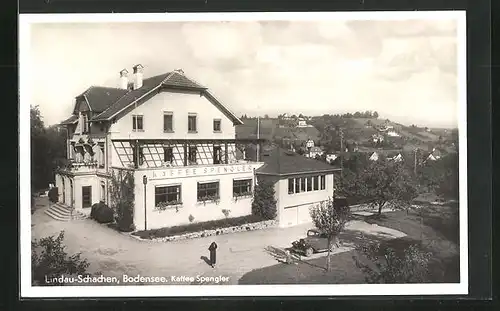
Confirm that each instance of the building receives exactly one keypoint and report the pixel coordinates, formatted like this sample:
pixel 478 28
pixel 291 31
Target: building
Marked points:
pixel 299 184
pixel 192 163
pixel 315 151
pixel 330 157
pixel 393 133
pixel 187 166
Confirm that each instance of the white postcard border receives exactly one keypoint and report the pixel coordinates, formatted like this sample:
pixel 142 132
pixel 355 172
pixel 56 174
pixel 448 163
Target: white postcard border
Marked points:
pixel 29 291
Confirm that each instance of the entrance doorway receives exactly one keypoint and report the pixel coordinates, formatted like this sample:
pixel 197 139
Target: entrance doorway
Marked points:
pixel 86 196
pixel 63 190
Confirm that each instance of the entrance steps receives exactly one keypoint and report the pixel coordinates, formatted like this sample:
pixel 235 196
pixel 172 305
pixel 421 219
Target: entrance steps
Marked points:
pixel 59 211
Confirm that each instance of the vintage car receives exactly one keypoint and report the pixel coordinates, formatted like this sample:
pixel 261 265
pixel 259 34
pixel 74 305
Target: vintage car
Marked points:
pixel 314 242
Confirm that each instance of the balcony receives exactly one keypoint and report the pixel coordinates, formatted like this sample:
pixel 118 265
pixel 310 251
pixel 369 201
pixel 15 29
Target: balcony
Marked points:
pixel 83 167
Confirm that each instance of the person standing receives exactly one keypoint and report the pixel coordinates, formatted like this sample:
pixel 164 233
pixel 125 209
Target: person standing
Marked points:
pixel 213 253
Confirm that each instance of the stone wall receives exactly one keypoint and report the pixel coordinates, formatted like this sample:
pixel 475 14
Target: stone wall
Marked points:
pixel 193 235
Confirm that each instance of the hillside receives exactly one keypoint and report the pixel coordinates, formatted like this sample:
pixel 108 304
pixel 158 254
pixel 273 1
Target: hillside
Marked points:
pixel 326 132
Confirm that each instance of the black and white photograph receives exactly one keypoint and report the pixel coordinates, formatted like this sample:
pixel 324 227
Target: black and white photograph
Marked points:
pixel 189 154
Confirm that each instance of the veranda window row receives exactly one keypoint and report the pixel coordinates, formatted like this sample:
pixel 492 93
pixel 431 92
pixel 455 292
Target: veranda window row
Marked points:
pixel 306 184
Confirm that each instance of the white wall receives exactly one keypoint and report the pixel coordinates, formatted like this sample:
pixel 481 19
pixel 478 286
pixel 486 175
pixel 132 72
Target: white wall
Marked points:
pixel 201 212
pixel 180 104
pixel 87 180
pixel 294 208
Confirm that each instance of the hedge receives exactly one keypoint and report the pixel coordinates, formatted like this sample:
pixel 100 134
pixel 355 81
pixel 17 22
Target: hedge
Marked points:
pixel 196 227
pixel 102 213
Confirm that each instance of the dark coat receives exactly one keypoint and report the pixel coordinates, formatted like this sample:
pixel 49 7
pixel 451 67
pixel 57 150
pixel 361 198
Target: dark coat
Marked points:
pixel 213 252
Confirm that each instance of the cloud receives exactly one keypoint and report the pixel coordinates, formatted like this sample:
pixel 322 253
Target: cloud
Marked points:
pixel 399 68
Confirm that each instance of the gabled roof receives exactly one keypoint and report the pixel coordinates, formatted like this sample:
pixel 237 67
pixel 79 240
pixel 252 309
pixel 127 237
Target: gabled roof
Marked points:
pixel 100 98
pixel 109 102
pixel 71 120
pixel 281 162
pixel 131 97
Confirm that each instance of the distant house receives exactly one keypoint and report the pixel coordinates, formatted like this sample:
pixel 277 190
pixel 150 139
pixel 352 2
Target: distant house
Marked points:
pixel 374 156
pixel 330 157
pixel 392 133
pixel 377 138
pixel 396 158
pixel 395 155
pixel 315 151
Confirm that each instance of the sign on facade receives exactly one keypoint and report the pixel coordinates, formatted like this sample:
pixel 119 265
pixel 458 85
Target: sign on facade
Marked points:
pixel 201 171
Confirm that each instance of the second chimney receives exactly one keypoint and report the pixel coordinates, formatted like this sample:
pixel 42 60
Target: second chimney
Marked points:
pixel 124 79
pixel 137 76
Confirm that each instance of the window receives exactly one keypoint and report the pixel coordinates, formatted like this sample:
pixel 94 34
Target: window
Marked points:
pixel 192 123
pixel 217 154
pixel 323 182
pixel 137 123
pixel 168 195
pixel 208 191
pixel 72 151
pixel 86 196
pixel 217 127
pixel 168 122
pixel 192 154
pixel 302 184
pixel 141 156
pixel 306 184
pixel 103 192
pixel 168 154
pixel 242 187
pixel 85 123
pixel 101 155
pixel 291 185
pixel 309 184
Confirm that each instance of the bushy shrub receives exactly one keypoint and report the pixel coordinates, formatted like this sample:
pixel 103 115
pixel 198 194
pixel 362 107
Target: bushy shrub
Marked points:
pixel 49 259
pixel 102 213
pixel 122 199
pixel 125 219
pixel 53 195
pixel 264 202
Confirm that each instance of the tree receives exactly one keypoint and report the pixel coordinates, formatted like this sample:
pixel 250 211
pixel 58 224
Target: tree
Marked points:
pixel 122 199
pixel 49 259
pixel 266 116
pixel 48 150
pixel 441 176
pixel 382 183
pixel 264 202
pixel 375 114
pixel 389 266
pixel 330 220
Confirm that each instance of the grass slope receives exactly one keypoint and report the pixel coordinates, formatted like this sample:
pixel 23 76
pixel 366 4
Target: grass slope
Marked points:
pixel 435 229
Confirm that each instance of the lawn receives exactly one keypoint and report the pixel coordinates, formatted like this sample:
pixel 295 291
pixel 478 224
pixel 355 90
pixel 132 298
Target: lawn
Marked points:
pixel 434 229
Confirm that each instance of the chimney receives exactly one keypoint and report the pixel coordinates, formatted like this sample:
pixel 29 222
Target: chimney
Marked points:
pixel 137 76
pixel 124 79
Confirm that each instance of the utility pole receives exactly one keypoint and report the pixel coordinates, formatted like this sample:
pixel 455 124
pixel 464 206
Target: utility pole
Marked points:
pixel 415 162
pixel 341 153
pixel 258 137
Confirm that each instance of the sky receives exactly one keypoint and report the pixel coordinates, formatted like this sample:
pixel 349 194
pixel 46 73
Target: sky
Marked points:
pixel 405 70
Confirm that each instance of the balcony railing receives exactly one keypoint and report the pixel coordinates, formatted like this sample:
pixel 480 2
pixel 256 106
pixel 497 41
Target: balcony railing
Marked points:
pixel 83 166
